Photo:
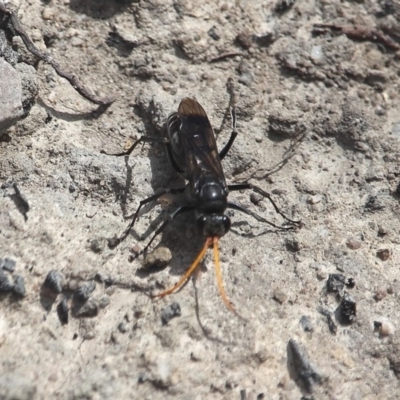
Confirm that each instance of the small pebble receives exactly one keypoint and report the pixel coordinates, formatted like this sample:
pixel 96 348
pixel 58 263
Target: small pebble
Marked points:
pixel 7 264
pixel 347 309
pixel 314 199
pixel 300 367
pixel 19 286
pixel 55 281
pixel 306 324
pixel 97 245
pixel 135 249
pixel 103 300
pixel 353 244
pixel 322 272
pixel 160 257
pixel 335 283
pixel 386 328
pixel 280 296
pixel 255 198
pixel 331 325
pixel 351 283
pixel 83 293
pixel 89 309
pixel 169 312
pixel 123 327
pixel 383 254
pixel 6 284
pixel 382 230
pixel 380 293
pixel 292 245
pixel 261 356
pixel 87 329
pixel 63 311
pixel 317 54
pixel 48 13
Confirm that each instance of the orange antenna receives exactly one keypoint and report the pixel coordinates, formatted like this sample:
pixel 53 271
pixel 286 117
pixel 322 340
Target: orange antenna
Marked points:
pixel 218 273
pixel 188 272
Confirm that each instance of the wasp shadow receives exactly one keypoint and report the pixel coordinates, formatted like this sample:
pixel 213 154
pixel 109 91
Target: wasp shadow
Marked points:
pixel 72 116
pixel 100 9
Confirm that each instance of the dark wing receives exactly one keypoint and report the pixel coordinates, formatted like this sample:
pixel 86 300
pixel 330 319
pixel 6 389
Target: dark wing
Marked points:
pixel 201 150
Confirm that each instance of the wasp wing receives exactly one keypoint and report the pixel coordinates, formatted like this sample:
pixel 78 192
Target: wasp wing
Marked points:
pixel 201 147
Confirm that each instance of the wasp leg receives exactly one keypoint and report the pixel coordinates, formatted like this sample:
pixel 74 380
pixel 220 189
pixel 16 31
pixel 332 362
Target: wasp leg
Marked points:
pixel 268 196
pixel 141 204
pixel 234 206
pixel 240 186
pixel 245 186
pixel 143 139
pixel 171 216
pixel 234 133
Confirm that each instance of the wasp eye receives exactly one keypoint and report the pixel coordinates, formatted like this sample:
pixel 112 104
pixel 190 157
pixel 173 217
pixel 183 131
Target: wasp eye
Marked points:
pixel 227 223
pixel 213 225
pixel 201 223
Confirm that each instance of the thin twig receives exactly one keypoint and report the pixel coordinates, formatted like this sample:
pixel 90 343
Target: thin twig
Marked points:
pixel 360 32
pixel 72 79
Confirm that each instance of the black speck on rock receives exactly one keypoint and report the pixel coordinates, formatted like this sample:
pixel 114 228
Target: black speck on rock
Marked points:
pixel 169 312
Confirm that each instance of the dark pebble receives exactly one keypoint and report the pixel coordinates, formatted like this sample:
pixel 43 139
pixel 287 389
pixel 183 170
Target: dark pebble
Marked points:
pixel 374 203
pixel 6 284
pixel 331 325
pixel 97 245
pixel 347 310
pixel 108 282
pixel 292 245
pixel 383 254
pixel 300 368
pixel 171 311
pixel 19 286
pixel 113 242
pixel 306 323
pixel 351 283
pixel 7 264
pixel 55 281
pixel 283 5
pixel 63 311
pixel 335 283
pixel 89 309
pixel 83 293
pixel 123 327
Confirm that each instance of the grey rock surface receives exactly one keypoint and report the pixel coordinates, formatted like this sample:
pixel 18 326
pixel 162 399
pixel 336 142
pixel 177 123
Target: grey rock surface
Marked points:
pixel 340 176
pixel 11 109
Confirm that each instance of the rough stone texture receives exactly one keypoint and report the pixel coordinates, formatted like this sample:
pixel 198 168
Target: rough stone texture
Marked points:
pixel 11 109
pixel 29 84
pixel 342 181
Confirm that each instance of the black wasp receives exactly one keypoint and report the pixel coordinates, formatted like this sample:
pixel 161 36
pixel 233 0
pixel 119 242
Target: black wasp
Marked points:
pixel 193 153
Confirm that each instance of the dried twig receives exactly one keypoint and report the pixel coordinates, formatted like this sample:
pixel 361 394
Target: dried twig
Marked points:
pixel 72 79
pixel 360 32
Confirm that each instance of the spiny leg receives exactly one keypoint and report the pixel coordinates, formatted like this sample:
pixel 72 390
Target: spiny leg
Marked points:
pixel 245 186
pixel 268 196
pixel 189 272
pixel 143 203
pixel 179 211
pixel 143 139
pixel 232 110
pixel 218 274
pixel 234 206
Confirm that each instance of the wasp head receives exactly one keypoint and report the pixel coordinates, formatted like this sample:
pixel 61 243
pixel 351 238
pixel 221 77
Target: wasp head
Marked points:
pixel 211 225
